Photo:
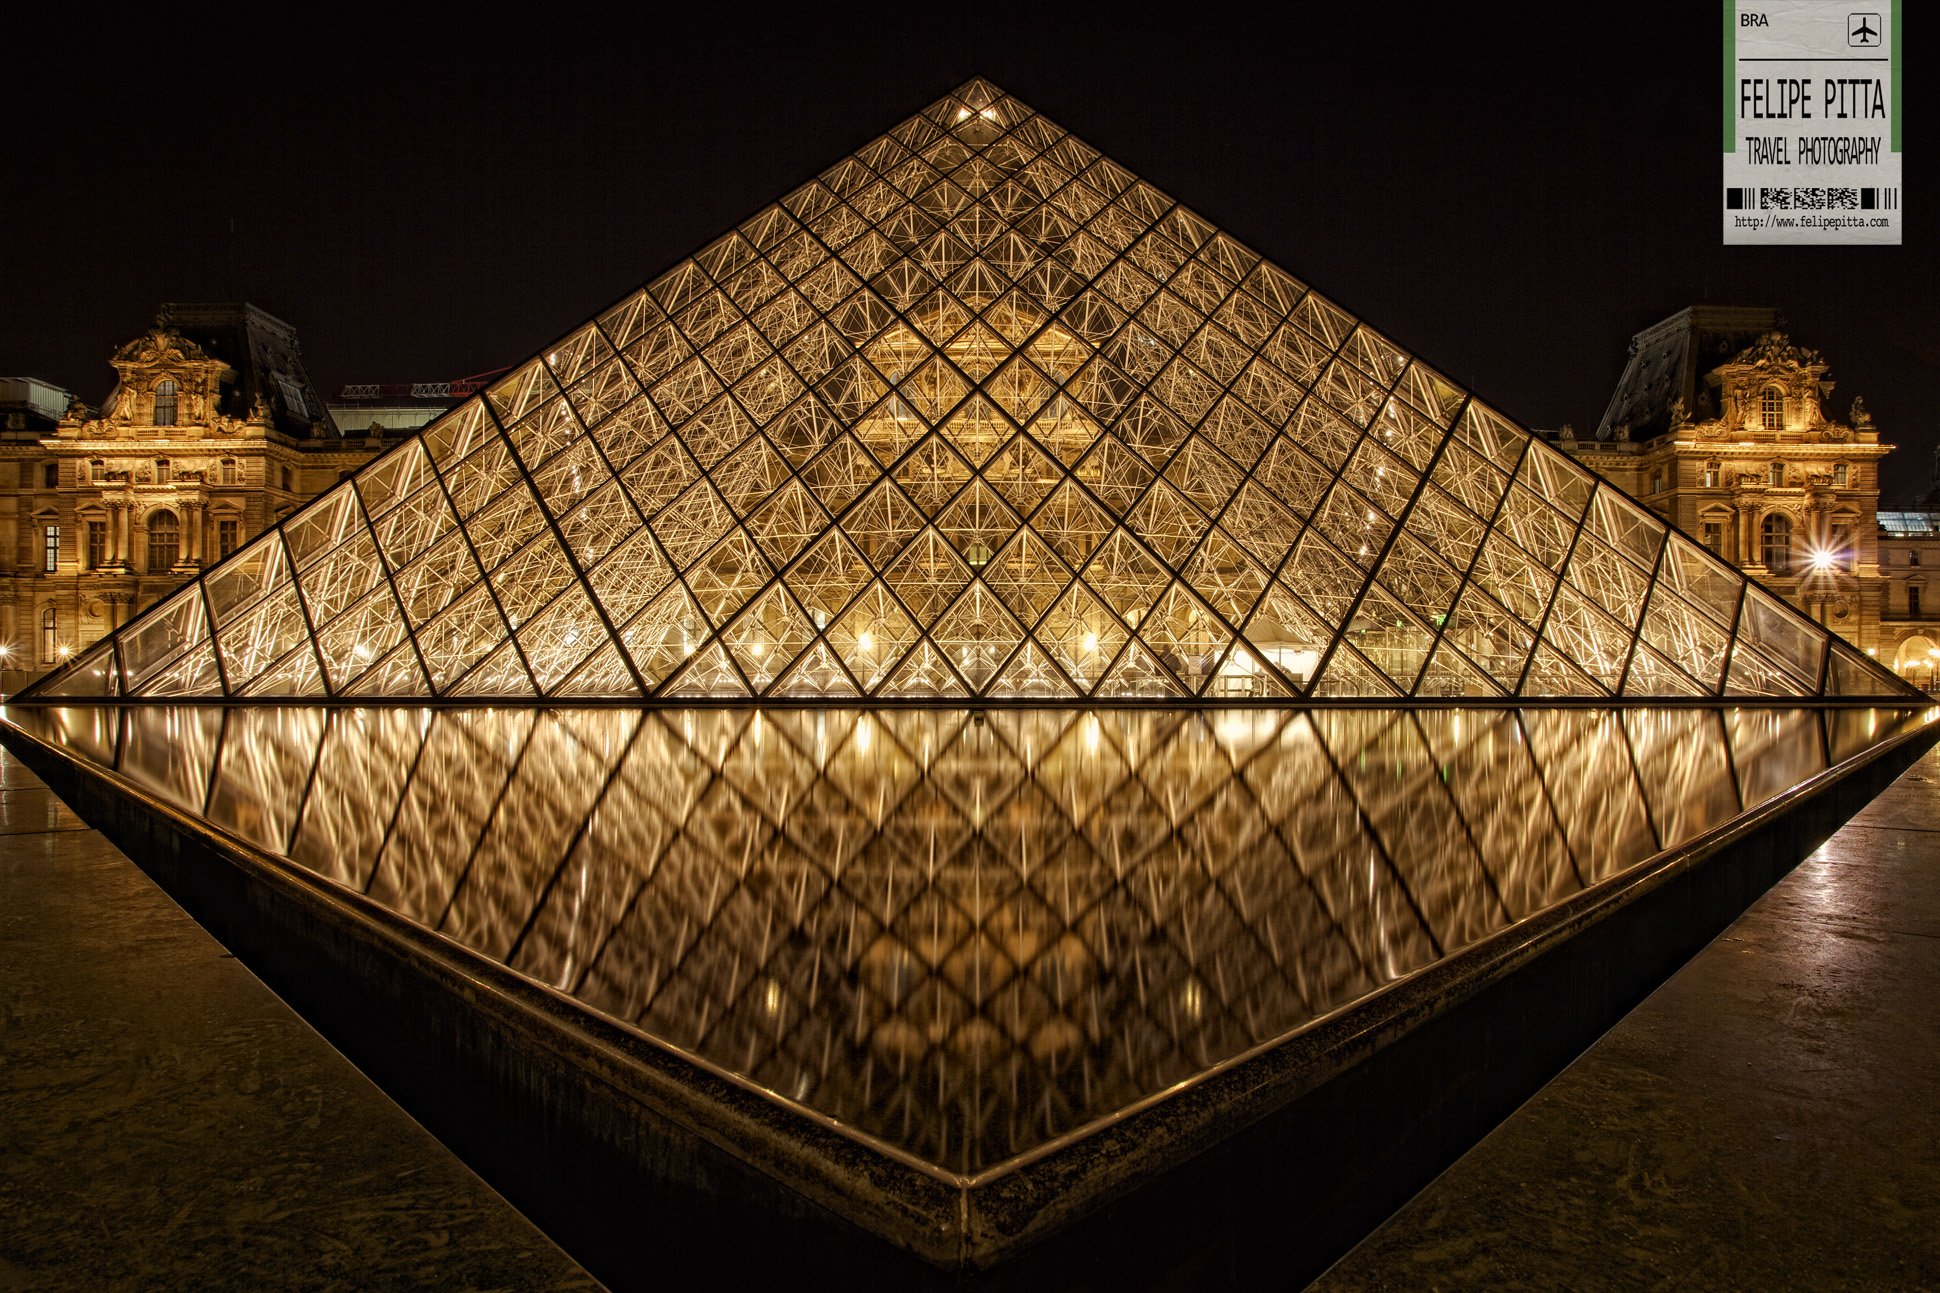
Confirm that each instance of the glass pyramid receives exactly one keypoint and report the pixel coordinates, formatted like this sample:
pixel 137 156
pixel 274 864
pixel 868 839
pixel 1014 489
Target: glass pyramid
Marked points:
pixel 976 413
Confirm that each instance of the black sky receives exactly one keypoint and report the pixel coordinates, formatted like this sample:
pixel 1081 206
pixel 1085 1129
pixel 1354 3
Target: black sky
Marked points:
pixel 1510 196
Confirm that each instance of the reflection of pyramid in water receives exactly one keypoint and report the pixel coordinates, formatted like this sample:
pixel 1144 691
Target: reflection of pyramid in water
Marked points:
pixel 976 413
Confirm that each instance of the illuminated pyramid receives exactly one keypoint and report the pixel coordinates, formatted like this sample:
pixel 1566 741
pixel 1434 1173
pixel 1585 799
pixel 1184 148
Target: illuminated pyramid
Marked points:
pixel 976 413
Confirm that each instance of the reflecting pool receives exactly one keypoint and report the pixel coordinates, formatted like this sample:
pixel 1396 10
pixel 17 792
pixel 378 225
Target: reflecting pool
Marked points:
pixel 963 935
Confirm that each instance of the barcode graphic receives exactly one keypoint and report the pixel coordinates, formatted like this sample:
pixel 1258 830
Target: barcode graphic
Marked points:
pixel 1799 199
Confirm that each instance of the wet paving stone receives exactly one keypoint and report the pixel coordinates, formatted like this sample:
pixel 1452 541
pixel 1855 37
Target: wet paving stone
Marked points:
pixel 1769 1118
pixel 166 1122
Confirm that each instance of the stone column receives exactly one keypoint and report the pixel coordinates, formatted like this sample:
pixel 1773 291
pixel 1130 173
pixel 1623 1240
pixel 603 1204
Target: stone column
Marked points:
pixel 1747 535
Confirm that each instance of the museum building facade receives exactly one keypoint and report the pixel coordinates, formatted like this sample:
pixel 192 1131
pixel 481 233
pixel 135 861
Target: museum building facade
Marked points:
pixel 212 432
pixel 1725 427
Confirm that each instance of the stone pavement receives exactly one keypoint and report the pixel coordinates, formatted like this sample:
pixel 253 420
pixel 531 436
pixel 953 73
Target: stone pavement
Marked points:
pixel 166 1122
pixel 1768 1119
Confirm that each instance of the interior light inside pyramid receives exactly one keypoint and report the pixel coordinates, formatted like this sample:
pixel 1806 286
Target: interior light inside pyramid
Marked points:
pixel 976 413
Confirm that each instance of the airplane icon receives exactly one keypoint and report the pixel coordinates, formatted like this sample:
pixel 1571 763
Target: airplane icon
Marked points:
pixel 1859 31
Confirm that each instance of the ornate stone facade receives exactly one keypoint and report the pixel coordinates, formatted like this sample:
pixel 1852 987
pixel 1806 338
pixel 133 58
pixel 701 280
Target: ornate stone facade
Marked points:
pixel 1724 427
pixel 212 432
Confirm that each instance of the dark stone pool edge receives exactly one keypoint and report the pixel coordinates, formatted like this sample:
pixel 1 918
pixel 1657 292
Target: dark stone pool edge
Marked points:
pixel 640 1164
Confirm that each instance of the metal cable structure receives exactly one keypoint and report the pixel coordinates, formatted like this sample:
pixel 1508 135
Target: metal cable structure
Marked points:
pixel 977 413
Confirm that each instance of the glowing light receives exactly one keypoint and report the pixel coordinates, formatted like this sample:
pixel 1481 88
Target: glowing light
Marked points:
pixel 1091 641
pixel 866 642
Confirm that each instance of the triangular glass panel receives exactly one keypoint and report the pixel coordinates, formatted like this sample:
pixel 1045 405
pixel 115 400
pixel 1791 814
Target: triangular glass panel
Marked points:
pixel 605 676
pixel 193 676
pixel 1652 675
pixel 1138 676
pixel 1449 673
pixel 709 674
pixel 1346 673
pixel 295 675
pixel 500 674
pixel 1851 674
pixel 1243 676
pixel 924 674
pixel 817 673
pixel 1030 675
pixel 397 674
pixel 92 676
pixel 1551 674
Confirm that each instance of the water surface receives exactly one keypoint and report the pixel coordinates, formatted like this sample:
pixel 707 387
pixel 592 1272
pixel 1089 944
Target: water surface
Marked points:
pixel 963 935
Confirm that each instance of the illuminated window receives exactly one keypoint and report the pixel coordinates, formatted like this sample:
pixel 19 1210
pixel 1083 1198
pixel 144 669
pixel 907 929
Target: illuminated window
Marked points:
pixel 1778 475
pixel 1772 407
pixel 1712 473
pixel 51 550
pixel 97 544
pixel 1657 481
pixel 1839 474
pixel 165 403
pixel 50 631
pixel 226 533
pixel 164 541
pixel 1775 547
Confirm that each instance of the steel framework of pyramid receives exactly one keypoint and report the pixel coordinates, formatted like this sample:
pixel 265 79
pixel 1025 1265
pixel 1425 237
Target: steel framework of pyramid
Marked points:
pixel 976 413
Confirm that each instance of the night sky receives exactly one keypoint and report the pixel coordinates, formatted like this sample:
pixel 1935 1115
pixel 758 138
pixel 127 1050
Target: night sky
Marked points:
pixel 1506 196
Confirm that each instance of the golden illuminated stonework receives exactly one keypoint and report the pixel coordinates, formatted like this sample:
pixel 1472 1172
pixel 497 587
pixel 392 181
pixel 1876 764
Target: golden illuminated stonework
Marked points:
pixel 977 413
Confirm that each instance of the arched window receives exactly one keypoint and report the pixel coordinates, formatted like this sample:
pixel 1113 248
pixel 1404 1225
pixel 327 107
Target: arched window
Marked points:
pixel 165 402
pixel 50 630
pixel 1778 475
pixel 164 541
pixel 97 470
pixel 1775 544
pixel 231 473
pixel 1771 405
pixel 161 471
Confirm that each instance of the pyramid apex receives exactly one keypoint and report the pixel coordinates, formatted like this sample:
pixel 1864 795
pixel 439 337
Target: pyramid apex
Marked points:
pixel 974 413
pixel 978 92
